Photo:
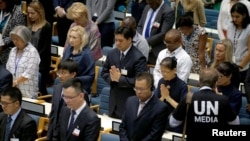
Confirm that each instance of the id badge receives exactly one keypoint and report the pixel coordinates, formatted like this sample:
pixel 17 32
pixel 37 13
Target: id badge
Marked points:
pixel 124 72
pixel 14 139
pixel 76 132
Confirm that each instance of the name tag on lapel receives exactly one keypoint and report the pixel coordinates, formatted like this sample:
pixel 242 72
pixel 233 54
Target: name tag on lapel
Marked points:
pixel 124 72
pixel 76 132
pixel 156 25
pixel 14 139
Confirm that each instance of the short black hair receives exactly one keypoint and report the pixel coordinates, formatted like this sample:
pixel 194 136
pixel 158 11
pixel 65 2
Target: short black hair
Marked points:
pixel 146 76
pixel 185 20
pixel 169 62
pixel 14 93
pixel 225 68
pixel 75 83
pixel 127 32
pixel 68 64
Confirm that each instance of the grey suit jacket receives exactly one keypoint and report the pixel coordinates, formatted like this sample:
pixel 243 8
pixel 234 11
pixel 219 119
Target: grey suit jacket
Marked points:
pixel 87 122
pixel 165 18
pixel 24 128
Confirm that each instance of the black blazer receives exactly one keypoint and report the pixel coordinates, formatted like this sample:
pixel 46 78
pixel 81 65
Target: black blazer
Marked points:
pixel 6 78
pixel 87 122
pixel 149 125
pixel 56 110
pixel 24 127
pixel 165 19
pixel 44 47
pixel 134 62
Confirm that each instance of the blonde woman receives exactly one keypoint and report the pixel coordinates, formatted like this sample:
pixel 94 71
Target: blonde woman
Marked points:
pixel 79 51
pixel 196 7
pixel 41 39
pixel 224 53
pixel 78 12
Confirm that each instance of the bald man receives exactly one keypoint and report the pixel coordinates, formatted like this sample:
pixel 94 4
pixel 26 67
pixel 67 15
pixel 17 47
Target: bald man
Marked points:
pixel 138 40
pixel 173 43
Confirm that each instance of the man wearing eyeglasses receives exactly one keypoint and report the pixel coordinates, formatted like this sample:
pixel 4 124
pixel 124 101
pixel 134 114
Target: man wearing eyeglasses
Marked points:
pixel 66 70
pixel 173 43
pixel 14 122
pixel 77 121
pixel 145 115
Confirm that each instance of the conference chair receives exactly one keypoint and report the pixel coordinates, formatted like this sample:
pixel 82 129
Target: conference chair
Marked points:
pixel 42 128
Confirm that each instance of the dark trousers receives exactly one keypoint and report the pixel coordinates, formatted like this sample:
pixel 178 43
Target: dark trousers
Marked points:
pixel 107 34
pixel 152 58
pixel 247 85
pixel 63 25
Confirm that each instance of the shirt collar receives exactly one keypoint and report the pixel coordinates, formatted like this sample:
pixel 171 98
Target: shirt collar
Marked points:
pixel 78 111
pixel 126 51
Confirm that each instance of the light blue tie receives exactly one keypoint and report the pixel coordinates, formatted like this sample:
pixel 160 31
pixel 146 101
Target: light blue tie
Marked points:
pixel 147 32
pixel 7 128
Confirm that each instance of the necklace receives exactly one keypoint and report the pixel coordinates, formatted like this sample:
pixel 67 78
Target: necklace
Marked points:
pixel 236 38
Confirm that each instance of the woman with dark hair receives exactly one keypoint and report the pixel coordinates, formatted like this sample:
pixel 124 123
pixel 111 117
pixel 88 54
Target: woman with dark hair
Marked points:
pixel 194 40
pixel 171 89
pixel 10 16
pixel 226 87
pixel 239 34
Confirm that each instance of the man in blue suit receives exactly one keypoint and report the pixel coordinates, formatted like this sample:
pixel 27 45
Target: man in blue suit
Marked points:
pixel 6 78
pixel 122 65
pixel 67 69
pixel 157 18
pixel 15 124
pixel 145 115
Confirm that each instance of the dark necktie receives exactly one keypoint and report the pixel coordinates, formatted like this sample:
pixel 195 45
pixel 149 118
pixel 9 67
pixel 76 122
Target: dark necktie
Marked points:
pixel 122 56
pixel 7 128
pixel 72 119
pixel 147 32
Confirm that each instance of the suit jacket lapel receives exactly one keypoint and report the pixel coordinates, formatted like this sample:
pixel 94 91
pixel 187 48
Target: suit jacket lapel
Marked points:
pixel 17 123
pixel 3 125
pixel 157 20
pixel 146 109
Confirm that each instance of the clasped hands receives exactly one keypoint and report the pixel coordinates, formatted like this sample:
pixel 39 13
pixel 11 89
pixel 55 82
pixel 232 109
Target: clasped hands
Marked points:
pixel 164 92
pixel 115 73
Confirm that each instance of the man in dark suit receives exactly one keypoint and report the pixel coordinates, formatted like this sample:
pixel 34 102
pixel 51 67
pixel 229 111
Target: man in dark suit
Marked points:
pixel 207 111
pixel 6 78
pixel 157 18
pixel 67 69
pixel 145 115
pixel 77 121
pixel 122 65
pixel 14 122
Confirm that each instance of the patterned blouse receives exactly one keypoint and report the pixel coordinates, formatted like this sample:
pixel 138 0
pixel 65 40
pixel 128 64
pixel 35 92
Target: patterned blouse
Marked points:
pixel 27 65
pixel 191 44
